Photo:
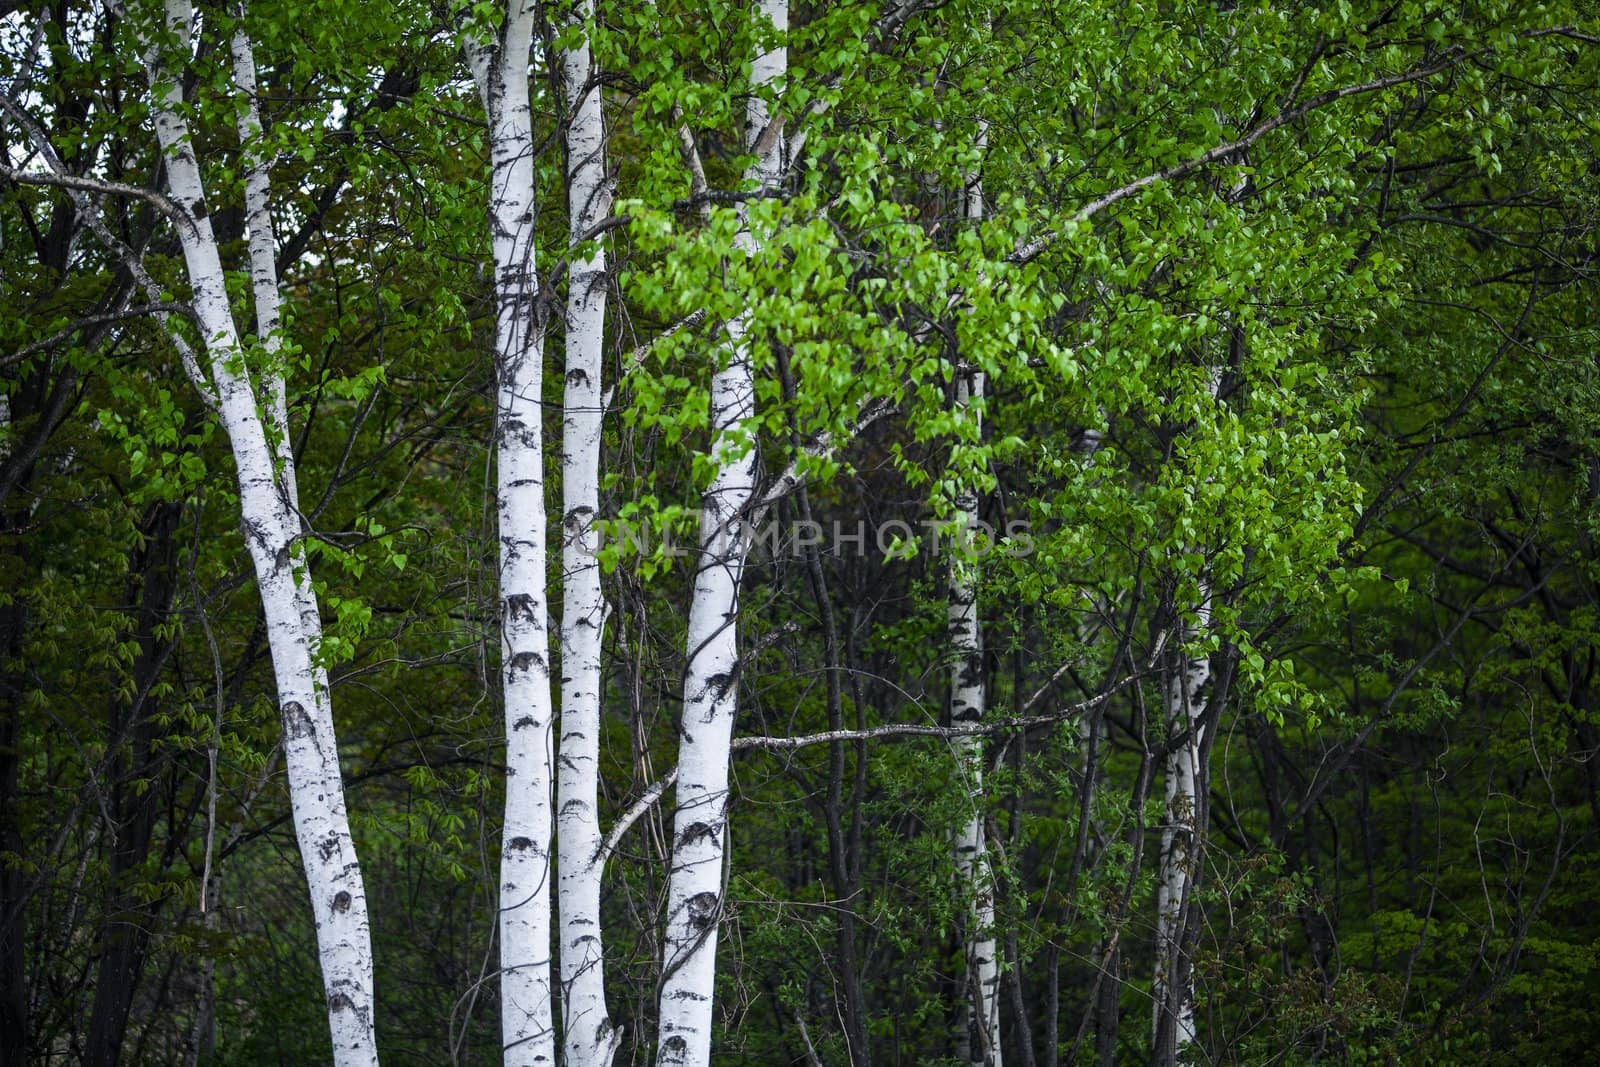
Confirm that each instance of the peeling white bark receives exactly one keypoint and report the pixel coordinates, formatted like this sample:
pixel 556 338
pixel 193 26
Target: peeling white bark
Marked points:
pixel 526 1015
pixel 1184 694
pixel 589 1038
pixel 967 702
pixel 263 257
pixel 710 690
pixel 1184 700
pixel 272 528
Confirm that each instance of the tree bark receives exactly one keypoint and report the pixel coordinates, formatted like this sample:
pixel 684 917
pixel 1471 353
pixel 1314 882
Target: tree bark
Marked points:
pixel 1185 693
pixel 1184 697
pixel 262 245
pixel 967 702
pixel 270 517
pixel 590 1039
pixel 710 690
pixel 135 801
pixel 526 1015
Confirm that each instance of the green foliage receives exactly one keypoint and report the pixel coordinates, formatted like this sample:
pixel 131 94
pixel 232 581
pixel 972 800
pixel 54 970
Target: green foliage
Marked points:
pixel 1330 399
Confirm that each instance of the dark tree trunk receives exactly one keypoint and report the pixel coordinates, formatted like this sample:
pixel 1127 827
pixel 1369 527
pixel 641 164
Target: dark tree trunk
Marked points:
pixel 13 893
pixel 125 935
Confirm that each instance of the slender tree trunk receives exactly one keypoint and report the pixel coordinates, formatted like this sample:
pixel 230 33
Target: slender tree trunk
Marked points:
pixel 1108 989
pixel 526 1015
pixel 1185 692
pixel 967 703
pixel 590 1039
pixel 271 522
pixel 699 841
pixel 710 689
pixel 843 843
pixel 1108 1006
pixel 1085 858
pixel 700 824
pixel 125 940
pixel 13 883
pixel 263 248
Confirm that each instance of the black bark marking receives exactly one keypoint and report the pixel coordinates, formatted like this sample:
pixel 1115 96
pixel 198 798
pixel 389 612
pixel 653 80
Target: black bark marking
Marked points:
pixel 971 672
pixel 524 661
pixel 254 531
pixel 687 994
pixel 519 606
pixel 514 430
pixel 341 902
pixel 518 844
pixel 695 832
pixel 524 722
pixel 296 723
pixel 719 684
pixel 703 909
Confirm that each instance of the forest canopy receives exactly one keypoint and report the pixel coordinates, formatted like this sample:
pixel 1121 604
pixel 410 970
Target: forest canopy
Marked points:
pixel 898 532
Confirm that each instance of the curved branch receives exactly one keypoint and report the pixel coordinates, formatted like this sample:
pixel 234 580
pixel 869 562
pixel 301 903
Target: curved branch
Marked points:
pixel 162 308
pixel 889 732
pixel 99 186
pixel 1454 57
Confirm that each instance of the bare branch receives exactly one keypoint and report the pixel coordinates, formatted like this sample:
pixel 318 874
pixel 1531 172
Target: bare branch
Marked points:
pixel 160 309
pixel 642 351
pixel 1569 32
pixel 646 801
pixel 89 211
pixel 791 479
pixel 889 732
pixel 909 729
pixel 1217 153
pixel 95 185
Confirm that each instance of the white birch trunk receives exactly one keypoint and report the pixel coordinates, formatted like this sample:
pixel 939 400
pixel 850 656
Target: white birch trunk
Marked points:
pixel 263 246
pixel 271 524
pixel 526 1015
pixel 588 1036
pixel 1183 699
pixel 967 703
pixel 1184 694
pixel 710 689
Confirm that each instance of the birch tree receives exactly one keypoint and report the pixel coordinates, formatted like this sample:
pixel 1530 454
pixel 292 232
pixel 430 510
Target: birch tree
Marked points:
pixel 270 515
pixel 967 700
pixel 1186 701
pixel 978 347
pixel 967 704
pixel 711 680
pixel 589 1036
pixel 500 68
pixel 1185 697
